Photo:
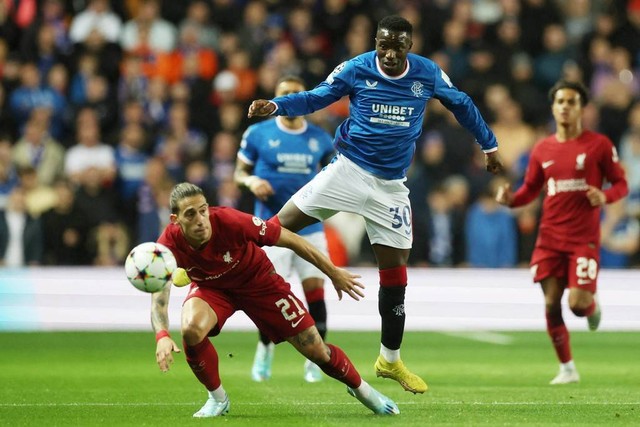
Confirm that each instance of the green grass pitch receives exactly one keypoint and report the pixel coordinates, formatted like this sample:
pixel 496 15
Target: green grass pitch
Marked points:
pixel 111 379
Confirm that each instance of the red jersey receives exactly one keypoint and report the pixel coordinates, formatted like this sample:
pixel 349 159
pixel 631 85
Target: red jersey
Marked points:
pixel 568 169
pixel 232 258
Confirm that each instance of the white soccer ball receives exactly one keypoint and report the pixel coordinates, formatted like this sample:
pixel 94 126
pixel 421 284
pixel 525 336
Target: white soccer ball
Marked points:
pixel 149 266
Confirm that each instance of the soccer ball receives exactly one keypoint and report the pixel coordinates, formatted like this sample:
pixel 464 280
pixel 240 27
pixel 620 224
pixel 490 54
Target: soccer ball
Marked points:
pixel 149 266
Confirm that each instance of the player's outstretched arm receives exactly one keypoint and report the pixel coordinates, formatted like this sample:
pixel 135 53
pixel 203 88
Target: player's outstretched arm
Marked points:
pixel 343 281
pixel 165 346
pixel 261 108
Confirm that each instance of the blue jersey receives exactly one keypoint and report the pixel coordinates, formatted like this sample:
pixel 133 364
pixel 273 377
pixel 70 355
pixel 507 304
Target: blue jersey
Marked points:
pixel 287 158
pixel 386 113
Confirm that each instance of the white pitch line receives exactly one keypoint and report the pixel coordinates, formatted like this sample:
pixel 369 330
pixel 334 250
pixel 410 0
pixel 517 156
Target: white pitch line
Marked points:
pixel 432 403
pixel 488 337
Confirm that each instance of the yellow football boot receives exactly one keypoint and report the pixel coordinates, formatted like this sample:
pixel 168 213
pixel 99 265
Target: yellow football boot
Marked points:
pixel 397 371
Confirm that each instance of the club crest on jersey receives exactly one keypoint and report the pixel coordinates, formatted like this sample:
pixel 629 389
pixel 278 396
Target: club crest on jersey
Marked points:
pixel 227 258
pixel 371 85
pixel 335 72
pixel 580 161
pixel 274 143
pixel 418 89
pixel 314 145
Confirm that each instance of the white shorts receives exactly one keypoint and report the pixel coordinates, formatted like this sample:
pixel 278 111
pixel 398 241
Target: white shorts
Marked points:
pixel 343 186
pixel 286 262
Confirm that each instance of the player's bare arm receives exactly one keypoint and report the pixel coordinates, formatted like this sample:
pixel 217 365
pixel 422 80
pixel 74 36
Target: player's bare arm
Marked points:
pixel 160 322
pixel 261 108
pixel 493 163
pixel 261 188
pixel 504 195
pixel 343 281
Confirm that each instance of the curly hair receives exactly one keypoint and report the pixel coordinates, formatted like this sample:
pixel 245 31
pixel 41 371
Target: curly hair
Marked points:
pixel 395 23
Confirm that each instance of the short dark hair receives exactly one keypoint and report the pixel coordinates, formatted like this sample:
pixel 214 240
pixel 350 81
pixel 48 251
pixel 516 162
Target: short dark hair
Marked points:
pixel 182 191
pixel 566 84
pixel 291 78
pixel 395 23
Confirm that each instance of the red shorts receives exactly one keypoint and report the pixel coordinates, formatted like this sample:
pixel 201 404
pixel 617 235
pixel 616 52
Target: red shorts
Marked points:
pixel 579 266
pixel 268 301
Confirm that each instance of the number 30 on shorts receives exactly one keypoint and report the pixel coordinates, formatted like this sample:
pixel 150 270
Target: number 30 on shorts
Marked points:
pixel 586 268
pixel 401 219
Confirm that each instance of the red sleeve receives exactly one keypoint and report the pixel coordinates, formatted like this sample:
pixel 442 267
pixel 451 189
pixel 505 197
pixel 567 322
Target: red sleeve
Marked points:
pixel 252 228
pixel 614 174
pixel 533 182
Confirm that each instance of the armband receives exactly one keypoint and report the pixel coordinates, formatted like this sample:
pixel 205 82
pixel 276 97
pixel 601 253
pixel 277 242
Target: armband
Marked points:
pixel 161 334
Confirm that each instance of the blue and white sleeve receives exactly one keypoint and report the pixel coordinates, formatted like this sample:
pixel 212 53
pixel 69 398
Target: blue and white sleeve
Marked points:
pixel 465 111
pixel 338 84
pixel 248 151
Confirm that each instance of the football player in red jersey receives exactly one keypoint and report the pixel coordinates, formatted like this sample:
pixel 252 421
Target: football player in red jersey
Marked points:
pixel 574 164
pixel 217 250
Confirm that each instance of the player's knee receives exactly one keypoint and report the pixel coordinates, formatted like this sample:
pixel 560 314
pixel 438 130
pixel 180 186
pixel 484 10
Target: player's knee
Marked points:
pixel 580 302
pixel 311 345
pixel 553 315
pixel 318 353
pixel 312 283
pixel 551 305
pixel 193 332
pixel 579 309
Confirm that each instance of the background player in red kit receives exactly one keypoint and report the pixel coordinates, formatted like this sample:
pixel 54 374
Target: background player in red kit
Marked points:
pixel 219 249
pixel 574 164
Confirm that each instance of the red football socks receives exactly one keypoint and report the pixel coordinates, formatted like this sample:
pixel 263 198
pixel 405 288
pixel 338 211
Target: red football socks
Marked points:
pixel 203 360
pixel 559 334
pixel 341 368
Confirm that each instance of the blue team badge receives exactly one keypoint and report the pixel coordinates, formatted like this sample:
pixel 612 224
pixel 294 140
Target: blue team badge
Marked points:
pixel 313 145
pixel 418 89
pixel 335 72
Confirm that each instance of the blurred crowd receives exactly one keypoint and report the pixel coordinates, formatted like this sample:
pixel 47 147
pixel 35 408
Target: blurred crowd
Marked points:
pixel 105 105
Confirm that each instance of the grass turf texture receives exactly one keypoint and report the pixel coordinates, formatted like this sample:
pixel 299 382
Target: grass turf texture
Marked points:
pixel 90 379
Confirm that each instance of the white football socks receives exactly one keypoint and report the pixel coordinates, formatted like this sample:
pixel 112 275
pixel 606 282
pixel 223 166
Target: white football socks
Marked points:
pixel 363 390
pixel 219 395
pixel 389 355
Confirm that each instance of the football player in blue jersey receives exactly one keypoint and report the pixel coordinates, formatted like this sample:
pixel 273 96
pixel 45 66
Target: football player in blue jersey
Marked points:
pixel 388 89
pixel 276 158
